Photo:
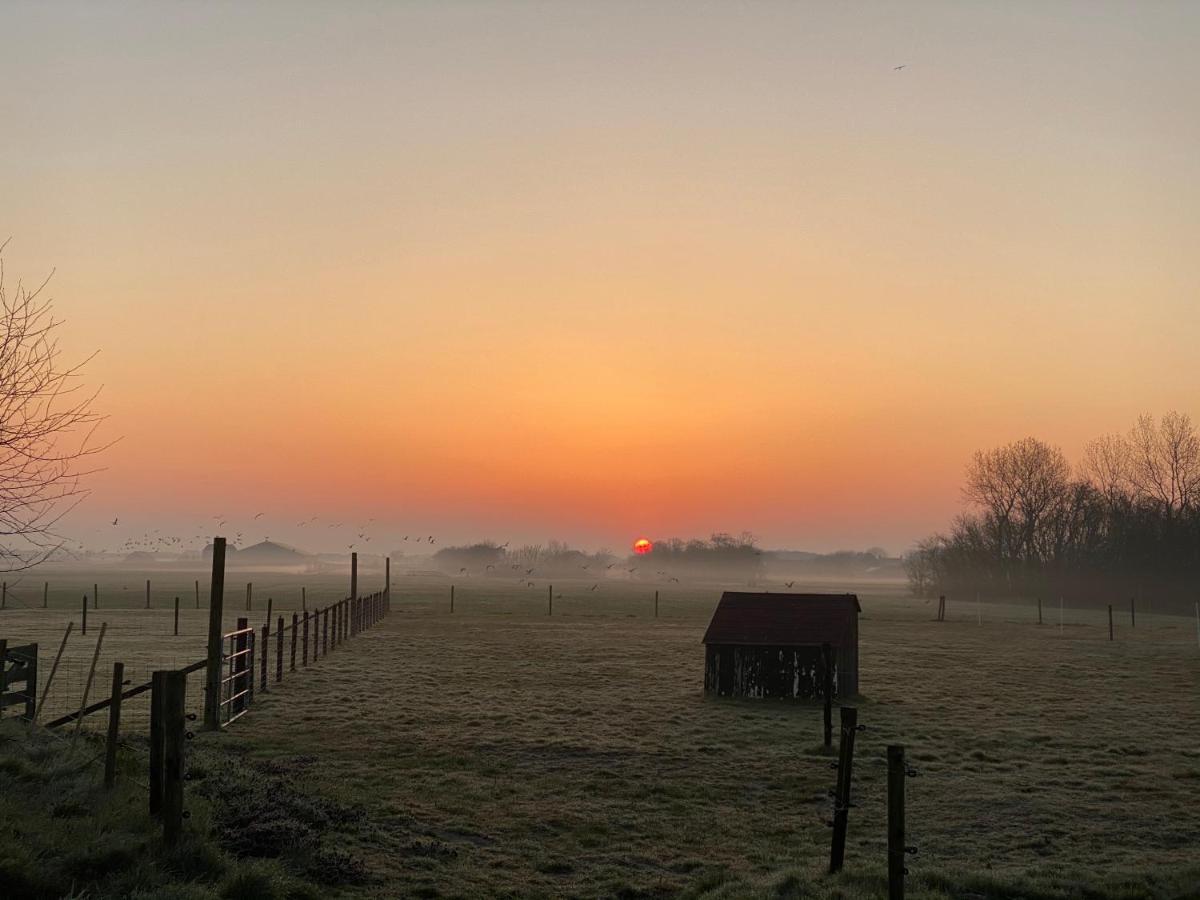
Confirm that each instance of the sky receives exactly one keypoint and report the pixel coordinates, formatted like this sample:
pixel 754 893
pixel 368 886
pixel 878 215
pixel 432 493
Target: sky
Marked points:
pixel 597 270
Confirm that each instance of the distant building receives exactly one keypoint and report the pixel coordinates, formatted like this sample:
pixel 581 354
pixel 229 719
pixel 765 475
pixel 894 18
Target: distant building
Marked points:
pixel 269 553
pixel 770 645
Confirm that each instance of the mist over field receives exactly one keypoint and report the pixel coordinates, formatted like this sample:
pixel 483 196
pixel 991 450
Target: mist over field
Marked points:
pixel 598 450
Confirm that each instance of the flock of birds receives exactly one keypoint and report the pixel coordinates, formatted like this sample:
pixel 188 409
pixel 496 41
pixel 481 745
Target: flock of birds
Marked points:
pixel 157 541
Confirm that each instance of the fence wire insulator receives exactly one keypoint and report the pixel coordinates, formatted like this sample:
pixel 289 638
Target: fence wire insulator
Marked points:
pixel 189 735
pixel 187 813
pixel 833 766
pixel 912 851
pixel 191 717
pixel 911 773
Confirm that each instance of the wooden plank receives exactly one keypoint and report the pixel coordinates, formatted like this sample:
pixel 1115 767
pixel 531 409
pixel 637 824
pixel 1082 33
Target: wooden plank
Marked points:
pixel 114 726
pixel 54 669
pixel 213 661
pixel 91 675
pixel 264 651
pixel 896 851
pixel 841 809
pixel 157 695
pixel 174 739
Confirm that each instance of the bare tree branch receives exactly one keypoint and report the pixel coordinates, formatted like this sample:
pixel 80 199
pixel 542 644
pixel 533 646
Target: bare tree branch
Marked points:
pixel 47 428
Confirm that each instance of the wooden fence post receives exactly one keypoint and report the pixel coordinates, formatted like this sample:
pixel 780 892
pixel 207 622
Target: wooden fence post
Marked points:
pixel 841 808
pixel 264 652
pixel 827 690
pixel 354 574
pixel 270 604
pixel 83 628
pixel 1110 622
pixel 303 599
pixel 304 648
pixel 95 596
pixel 114 725
pixel 87 687
pixel 147 593
pixel 550 600
pixel 295 629
pixel 325 633
pixel 3 672
pixel 45 594
pixel 197 593
pixel 452 598
pixel 176 617
pixel 279 651
pixel 4 596
pixel 216 607
pixel 895 826
pixel 249 595
pixel 157 691
pixel 1132 614
pixel 656 604
pixel 174 701
pixel 53 669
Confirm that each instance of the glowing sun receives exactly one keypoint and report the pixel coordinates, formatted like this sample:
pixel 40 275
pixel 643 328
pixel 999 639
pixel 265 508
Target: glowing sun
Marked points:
pixel 642 546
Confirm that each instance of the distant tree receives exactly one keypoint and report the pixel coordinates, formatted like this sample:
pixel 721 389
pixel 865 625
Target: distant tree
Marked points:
pixel 1017 485
pixel 46 427
pixel 920 565
pixel 1164 461
pixel 475 558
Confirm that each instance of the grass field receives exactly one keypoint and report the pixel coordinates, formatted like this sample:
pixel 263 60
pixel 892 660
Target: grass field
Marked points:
pixel 497 751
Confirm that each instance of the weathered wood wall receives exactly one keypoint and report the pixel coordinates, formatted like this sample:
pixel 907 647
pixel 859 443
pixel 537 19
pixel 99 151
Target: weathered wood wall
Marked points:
pixel 788 672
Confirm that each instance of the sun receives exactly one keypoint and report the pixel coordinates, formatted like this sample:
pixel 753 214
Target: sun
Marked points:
pixel 642 546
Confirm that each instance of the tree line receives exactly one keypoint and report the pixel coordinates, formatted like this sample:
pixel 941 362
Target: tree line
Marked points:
pixel 1123 521
pixel 720 556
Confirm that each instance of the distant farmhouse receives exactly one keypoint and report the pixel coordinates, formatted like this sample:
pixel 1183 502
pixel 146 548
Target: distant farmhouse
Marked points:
pixel 771 645
pixel 269 554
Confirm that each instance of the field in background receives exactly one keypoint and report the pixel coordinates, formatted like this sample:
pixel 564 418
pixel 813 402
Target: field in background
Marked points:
pixel 501 750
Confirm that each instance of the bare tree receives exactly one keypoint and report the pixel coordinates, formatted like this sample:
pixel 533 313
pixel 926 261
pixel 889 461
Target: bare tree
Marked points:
pixel 1106 465
pixel 920 564
pixel 1018 485
pixel 46 428
pixel 1164 461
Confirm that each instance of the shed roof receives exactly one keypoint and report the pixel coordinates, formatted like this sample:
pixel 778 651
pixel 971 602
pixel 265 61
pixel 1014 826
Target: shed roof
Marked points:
pixel 782 619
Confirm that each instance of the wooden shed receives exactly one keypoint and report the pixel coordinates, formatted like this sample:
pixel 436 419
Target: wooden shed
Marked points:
pixel 769 645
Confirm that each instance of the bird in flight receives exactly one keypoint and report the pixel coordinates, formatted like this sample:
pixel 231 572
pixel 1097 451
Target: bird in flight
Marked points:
pixel 115 521
pixel 259 516
pixel 788 583
pixel 593 587
pixel 898 68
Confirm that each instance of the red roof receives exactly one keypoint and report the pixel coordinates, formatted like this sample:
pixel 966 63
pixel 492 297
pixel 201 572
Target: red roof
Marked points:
pixel 782 619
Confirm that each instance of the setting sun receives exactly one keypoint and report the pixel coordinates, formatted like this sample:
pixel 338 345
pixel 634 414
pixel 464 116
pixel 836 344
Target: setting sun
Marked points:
pixel 642 546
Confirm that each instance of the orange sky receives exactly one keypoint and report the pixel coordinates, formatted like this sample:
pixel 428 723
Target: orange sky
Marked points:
pixel 592 270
